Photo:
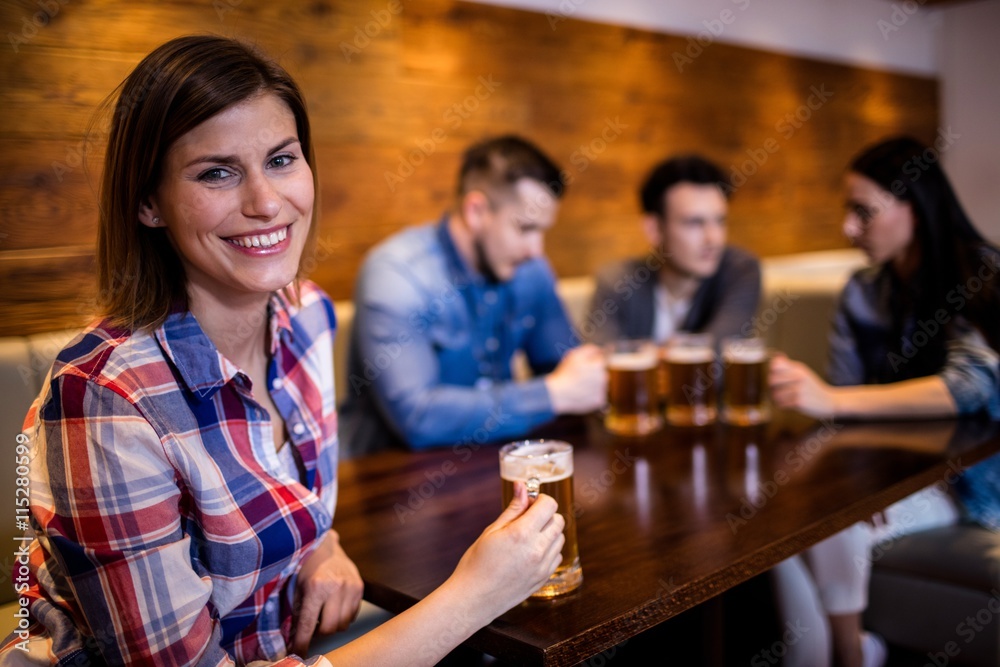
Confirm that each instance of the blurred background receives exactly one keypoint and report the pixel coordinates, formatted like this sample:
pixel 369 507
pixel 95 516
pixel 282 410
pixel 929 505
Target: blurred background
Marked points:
pixel 780 93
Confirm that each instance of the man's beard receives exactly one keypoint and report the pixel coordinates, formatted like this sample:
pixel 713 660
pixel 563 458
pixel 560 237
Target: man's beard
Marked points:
pixel 672 266
pixel 482 264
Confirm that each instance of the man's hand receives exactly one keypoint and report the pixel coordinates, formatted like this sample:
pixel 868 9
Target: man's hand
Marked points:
pixel 579 384
pixel 328 595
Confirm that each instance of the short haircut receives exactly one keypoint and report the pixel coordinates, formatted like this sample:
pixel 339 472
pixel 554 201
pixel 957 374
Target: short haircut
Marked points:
pixel 495 165
pixel 171 91
pixel 682 169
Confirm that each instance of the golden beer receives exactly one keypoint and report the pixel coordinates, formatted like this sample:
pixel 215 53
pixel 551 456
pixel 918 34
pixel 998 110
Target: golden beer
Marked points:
pixel 662 385
pixel 633 395
pixel 546 466
pixel 745 398
pixel 691 393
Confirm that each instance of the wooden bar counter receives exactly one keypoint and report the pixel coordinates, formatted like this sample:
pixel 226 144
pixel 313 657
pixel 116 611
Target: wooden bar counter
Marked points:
pixel 665 522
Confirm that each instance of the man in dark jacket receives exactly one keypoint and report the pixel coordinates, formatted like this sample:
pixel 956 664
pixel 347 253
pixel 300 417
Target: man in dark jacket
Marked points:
pixel 691 280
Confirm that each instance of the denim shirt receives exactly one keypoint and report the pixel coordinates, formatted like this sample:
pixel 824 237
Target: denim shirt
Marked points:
pixel 859 354
pixel 432 345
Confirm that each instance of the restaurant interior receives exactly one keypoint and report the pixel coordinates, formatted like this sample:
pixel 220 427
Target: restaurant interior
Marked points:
pixel 780 94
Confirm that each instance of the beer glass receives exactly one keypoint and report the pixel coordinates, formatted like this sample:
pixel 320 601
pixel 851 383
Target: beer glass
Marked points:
pixel 662 386
pixel 745 398
pixel 546 466
pixel 691 397
pixel 633 397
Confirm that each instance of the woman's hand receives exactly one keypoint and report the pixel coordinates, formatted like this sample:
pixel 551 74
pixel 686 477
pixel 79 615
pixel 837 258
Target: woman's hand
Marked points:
pixel 794 385
pixel 511 560
pixel 328 594
pixel 514 556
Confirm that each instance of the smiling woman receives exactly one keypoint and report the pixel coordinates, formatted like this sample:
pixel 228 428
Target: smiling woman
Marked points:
pixel 183 467
pixel 204 164
pixel 236 197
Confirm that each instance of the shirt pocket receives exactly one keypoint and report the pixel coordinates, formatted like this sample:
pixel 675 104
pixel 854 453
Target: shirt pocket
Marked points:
pixel 450 332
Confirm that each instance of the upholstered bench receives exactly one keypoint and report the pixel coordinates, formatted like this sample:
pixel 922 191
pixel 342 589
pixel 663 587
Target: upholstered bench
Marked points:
pixel 937 593
pixel 24 363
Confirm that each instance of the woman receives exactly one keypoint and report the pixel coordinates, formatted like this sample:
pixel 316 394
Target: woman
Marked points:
pixel 915 335
pixel 184 472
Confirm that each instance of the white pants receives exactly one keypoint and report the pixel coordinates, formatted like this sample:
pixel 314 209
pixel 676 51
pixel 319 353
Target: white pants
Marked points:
pixel 831 578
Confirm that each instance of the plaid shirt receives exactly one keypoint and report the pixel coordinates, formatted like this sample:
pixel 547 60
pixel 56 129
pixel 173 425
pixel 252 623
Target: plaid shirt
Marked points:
pixel 168 531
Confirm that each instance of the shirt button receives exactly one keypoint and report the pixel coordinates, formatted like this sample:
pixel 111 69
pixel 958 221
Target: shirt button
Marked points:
pixel 269 606
pixel 492 344
pixel 299 429
pixel 528 321
pixel 483 384
pixel 276 383
pixel 490 297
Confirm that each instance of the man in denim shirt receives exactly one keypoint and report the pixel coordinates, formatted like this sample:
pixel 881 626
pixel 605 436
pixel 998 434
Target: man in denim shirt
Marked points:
pixel 442 308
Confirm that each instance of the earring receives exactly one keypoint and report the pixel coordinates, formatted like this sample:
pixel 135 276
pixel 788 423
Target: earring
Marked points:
pixel 156 221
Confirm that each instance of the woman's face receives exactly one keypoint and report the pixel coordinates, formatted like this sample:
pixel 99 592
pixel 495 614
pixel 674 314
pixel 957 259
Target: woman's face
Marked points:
pixel 236 198
pixel 878 223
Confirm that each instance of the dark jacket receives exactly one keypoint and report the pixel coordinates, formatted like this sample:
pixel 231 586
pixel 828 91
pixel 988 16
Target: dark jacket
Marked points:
pixel 624 301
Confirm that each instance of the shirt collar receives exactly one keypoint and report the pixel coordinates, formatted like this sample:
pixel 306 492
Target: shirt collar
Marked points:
pixel 202 368
pixel 462 273
pixel 280 317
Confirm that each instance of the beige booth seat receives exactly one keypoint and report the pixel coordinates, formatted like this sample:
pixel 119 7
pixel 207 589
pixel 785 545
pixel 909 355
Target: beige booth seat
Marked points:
pixel 24 363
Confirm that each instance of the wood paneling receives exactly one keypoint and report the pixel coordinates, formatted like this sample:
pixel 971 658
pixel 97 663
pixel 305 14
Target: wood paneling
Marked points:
pixel 605 101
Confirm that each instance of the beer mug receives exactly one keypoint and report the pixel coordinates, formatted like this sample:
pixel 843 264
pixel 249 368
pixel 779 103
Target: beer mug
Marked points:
pixel 691 397
pixel 546 466
pixel 745 397
pixel 633 396
pixel 662 386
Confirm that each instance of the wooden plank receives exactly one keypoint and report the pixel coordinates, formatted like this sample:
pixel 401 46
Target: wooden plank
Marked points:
pixel 395 97
pixel 53 290
pixel 113 26
pixel 47 198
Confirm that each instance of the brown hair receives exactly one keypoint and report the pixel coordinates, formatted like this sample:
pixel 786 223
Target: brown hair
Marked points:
pixel 496 164
pixel 174 89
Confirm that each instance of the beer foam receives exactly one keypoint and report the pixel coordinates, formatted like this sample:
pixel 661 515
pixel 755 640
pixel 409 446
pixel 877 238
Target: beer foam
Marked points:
pixel 689 355
pixel 632 361
pixel 545 475
pixel 745 355
pixel 531 462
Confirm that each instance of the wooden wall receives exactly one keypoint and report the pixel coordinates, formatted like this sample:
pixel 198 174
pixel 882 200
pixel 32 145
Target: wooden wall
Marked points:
pixel 397 88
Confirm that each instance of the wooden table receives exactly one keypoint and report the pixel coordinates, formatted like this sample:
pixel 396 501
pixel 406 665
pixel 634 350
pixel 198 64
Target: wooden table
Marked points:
pixel 665 522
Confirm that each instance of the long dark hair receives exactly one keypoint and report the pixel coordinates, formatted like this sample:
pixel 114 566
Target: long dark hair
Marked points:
pixel 174 89
pixel 952 252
